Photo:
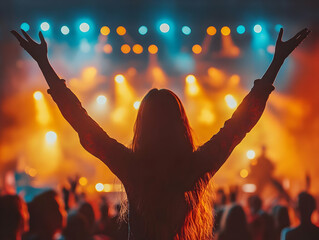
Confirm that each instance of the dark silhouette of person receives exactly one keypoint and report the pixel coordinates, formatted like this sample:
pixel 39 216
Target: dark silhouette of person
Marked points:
pixel 47 216
pixel 14 217
pixel 119 228
pixel 306 230
pixel 77 227
pixel 165 177
pixel 87 211
pixel 281 219
pixel 234 225
pixel 104 225
pixel 219 207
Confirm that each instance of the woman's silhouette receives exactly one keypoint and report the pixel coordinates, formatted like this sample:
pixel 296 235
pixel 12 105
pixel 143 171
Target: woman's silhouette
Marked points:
pixel 164 176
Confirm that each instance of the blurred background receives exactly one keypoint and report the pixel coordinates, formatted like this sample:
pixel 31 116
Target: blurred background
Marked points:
pixel 112 52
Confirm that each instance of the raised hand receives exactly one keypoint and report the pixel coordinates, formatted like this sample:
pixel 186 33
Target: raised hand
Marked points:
pixel 283 49
pixel 37 51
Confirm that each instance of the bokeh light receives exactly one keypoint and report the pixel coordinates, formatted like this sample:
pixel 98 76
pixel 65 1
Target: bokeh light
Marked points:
pixel 105 30
pixel 83 181
pixel 37 95
pixel 137 48
pixel 84 27
pixel 186 30
pixel 142 30
pixel 125 48
pixel 249 188
pixel 250 154
pixel 231 101
pixel 121 30
pixel 136 104
pixel 211 30
pixel 244 173
pixel 45 26
pixel 107 48
pixel 65 30
pixel 24 26
pixel 101 100
pixel 99 187
pixel 197 49
pixel 164 27
pixel 241 29
pixel 225 31
pixel 258 28
pixel 152 49
pixel 119 78
pixel 190 79
pixel 51 137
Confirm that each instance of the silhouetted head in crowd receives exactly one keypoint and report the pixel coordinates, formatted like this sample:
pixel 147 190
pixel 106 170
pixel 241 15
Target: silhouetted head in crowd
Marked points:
pixel 47 215
pixel 13 217
pixel 87 211
pixel 220 199
pixel 281 217
pixel 77 227
pixel 255 204
pixel 306 205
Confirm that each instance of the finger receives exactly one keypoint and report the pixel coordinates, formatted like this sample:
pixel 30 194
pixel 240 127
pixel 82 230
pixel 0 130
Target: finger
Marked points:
pixel 18 37
pixel 42 38
pixel 300 33
pixel 302 37
pixel 27 36
pixel 280 35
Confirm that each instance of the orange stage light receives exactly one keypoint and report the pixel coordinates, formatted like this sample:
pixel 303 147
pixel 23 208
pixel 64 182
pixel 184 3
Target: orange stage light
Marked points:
pixel 121 30
pixel 107 48
pixel 137 48
pixel 197 49
pixel 211 30
pixel 125 48
pixel 225 31
pixel 152 49
pixel 105 30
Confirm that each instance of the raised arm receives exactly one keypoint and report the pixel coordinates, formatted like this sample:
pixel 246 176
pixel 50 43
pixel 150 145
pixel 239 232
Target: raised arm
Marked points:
pixel 212 155
pixel 92 136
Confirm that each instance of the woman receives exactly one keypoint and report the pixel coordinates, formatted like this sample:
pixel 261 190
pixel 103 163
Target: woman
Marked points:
pixel 164 176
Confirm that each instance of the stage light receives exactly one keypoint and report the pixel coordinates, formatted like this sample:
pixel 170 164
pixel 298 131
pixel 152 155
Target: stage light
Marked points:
pixel 231 101
pixel 206 116
pixel 225 31
pixel 211 30
pixel 107 187
pixel 250 154
pixel 136 104
pixel 137 48
pixel 249 188
pixel 121 30
pixel 101 100
pixel 190 79
pixel 125 48
pixel 45 26
pixel 152 49
pixel 257 28
pixel 83 181
pixel 119 78
pixel 37 95
pixel 107 48
pixel 99 187
pixel 105 30
pixel 191 86
pixel 65 30
pixel 278 27
pixel 197 49
pixel 50 137
pixel 164 27
pixel 25 27
pixel 186 30
pixel 241 29
pixel 142 30
pixel 84 27
pixel 244 173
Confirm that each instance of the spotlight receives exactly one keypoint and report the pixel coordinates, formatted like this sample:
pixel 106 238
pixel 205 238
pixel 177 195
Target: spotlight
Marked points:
pixel 121 30
pixel 136 104
pixel 197 49
pixel 211 30
pixel 164 27
pixel 65 30
pixel 24 26
pixel 45 26
pixel 119 78
pixel 152 49
pixel 142 30
pixel 99 187
pixel 257 28
pixel 125 48
pixel 50 137
pixel 37 95
pixel 186 30
pixel 137 48
pixel 225 31
pixel 84 27
pixel 105 30
pixel 101 100
pixel 231 101
pixel 241 29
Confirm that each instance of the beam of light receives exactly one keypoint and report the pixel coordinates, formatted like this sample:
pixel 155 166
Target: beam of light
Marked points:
pixel 119 78
pixel 24 26
pixel 217 77
pixel 192 87
pixel 211 30
pixel 99 187
pixel 37 95
pixel 249 188
pixel 107 48
pixel 136 105
pixel 186 30
pixel 250 154
pixel 197 49
pixel 258 28
pixel 107 187
pixel 45 26
pixel 51 137
pixel 244 173
pixel 158 76
pixel 119 115
pixel 101 100
pixel 241 29
pixel 152 49
pixel 142 30
pixel 83 181
pixel 125 48
pixel 164 28
pixel 42 111
pixel 231 101
pixel 65 30
pixel 137 49
pixel 121 30
pixel 206 116
pixel 105 30
pixel 225 31
pixel 84 27
pixel 229 49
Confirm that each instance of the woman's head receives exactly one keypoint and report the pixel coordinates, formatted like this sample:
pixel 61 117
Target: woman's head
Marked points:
pixel 161 127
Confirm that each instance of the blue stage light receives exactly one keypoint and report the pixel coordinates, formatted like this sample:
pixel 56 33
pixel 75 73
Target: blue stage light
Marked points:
pixel 84 27
pixel 45 26
pixel 65 30
pixel 186 30
pixel 24 26
pixel 278 27
pixel 142 30
pixel 241 29
pixel 164 27
pixel 257 28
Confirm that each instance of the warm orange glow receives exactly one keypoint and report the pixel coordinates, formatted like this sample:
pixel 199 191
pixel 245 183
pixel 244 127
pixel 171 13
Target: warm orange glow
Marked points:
pixel 118 115
pixel 234 80
pixel 225 31
pixel 83 181
pixel 137 48
pixel 152 49
pixel 125 48
pixel 231 101
pixel 206 116
pixel 211 30
pixel 197 49
pixel 105 30
pixel 89 73
pixel 244 173
pixel 42 110
pixel 119 78
pixel 190 79
pixel 249 188
pixel 192 87
pixel 121 30
pixel 217 76
pixel 107 187
pixel 107 48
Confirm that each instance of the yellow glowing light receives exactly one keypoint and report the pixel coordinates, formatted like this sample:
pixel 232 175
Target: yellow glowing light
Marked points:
pixel 121 30
pixel 119 114
pixel 211 30
pixel 99 187
pixel 107 48
pixel 89 73
pixel 107 187
pixel 225 31
pixel 250 154
pixel 105 30
pixel 125 48
pixel 136 104
pixel 234 80
pixel 249 188
pixel 137 48
pixel 83 181
pixel 244 173
pixel 231 101
pixel 51 137
pixel 37 95
pixel 206 116
pixel 197 49
pixel 101 100
pixel 152 49
pixel 190 79
pixel 119 78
